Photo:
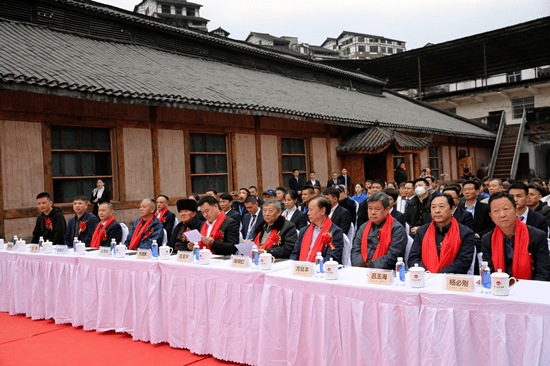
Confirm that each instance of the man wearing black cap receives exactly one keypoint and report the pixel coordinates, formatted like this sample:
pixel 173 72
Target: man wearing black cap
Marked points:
pixel 467 174
pixel 189 221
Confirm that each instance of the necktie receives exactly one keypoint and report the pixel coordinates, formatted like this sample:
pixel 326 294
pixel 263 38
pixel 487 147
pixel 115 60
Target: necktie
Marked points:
pixel 407 203
pixel 521 218
pixel 250 226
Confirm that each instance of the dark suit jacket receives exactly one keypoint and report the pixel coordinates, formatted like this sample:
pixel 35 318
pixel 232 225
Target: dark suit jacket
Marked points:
pixel 299 219
pixel 246 221
pixel 295 185
pixel 464 256
pixel 400 217
pixel 341 218
pixel 105 197
pixel 235 215
pixel 331 183
pixel 344 180
pixel 337 241
pixel 349 205
pixel 114 231
pixel 316 183
pixel 230 230
pixel 168 225
pixel 86 235
pixel 464 217
pixel 179 242
pixel 538 247
pixel 239 207
pixel 537 220
pixel 287 233
pixel 482 221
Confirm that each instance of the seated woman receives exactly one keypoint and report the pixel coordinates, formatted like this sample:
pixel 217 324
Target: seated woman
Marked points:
pixel 444 245
pixel 292 214
pixel 359 195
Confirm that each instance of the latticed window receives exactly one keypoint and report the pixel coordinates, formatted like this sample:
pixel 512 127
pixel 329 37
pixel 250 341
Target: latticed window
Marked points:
pixel 519 103
pixel 434 162
pixel 293 157
pixel 208 162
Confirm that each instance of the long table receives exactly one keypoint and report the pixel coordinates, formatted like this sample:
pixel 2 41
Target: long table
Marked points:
pixel 275 318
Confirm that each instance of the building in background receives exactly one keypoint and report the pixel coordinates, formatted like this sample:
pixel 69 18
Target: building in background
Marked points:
pixel 352 45
pixel 177 12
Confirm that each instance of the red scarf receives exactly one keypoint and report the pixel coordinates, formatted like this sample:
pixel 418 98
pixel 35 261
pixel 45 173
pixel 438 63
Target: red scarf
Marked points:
pixel 161 217
pixel 136 238
pixel 100 233
pixel 215 234
pixel 272 239
pixel 324 239
pixel 384 236
pixel 449 247
pixel 521 262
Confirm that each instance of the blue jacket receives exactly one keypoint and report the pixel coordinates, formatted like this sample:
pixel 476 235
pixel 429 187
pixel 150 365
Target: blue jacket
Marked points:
pixel 337 241
pixel 158 234
pixel 86 235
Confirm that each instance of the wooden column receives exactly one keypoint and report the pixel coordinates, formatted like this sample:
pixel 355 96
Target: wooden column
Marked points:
pixel 47 152
pixel 153 118
pixel 258 140
pixel 389 165
pixel 187 147
pixel 416 163
pixel 2 228
pixel 329 153
pixel 121 172
pixel 233 169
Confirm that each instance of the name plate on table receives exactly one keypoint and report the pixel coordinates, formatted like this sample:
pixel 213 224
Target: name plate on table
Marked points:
pixel 238 261
pixel 303 269
pixel 9 247
pixel 143 254
pixel 459 283
pixel 35 248
pixel 185 257
pixel 61 249
pixel 380 276
pixel 104 251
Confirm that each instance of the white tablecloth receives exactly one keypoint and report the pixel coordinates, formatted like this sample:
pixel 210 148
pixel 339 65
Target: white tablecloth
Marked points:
pixel 310 321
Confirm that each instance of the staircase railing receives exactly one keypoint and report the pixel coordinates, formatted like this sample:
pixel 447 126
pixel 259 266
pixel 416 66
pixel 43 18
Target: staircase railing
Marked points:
pixel 517 151
pixel 497 143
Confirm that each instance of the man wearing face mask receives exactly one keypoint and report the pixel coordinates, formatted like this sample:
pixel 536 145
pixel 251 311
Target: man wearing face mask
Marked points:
pixel 418 210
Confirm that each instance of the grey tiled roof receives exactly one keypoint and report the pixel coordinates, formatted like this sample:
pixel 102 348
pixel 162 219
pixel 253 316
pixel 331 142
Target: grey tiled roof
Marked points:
pixel 376 138
pixel 32 55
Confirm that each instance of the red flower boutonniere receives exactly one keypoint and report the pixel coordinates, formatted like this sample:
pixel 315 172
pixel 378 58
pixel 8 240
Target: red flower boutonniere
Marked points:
pixel 49 225
pixel 218 236
pixel 104 236
pixel 147 234
pixel 327 240
pixel 162 219
pixel 82 227
pixel 275 238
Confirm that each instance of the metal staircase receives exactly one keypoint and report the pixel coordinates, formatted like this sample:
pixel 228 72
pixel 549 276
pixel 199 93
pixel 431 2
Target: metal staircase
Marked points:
pixel 504 162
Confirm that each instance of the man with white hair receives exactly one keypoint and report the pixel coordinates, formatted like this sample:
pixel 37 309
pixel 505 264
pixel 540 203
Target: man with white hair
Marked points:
pixel 147 228
pixel 276 235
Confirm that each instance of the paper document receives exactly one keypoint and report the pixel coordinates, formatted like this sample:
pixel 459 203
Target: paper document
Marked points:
pixel 245 248
pixel 194 236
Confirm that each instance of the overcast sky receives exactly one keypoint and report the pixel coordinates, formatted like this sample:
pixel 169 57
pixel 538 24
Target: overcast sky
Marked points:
pixel 416 22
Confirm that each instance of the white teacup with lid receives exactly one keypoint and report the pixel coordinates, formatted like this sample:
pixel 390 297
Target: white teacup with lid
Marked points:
pixel 205 255
pixel 418 276
pixel 266 260
pixel 332 269
pixel 120 250
pixel 501 283
pixel 165 252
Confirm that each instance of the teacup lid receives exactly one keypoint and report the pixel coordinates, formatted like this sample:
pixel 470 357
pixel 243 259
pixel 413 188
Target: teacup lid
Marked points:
pixel 500 274
pixel 331 261
pixel 416 268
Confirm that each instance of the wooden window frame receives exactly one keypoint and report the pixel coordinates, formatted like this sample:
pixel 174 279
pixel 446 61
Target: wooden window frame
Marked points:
pixel 306 155
pixel 521 102
pixel 227 153
pixel 438 157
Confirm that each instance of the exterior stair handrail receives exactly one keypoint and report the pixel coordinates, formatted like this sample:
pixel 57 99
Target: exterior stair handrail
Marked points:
pixel 497 143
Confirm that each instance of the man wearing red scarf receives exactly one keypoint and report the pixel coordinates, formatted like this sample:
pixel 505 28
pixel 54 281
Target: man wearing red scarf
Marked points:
pixel 444 245
pixel 518 249
pixel 380 240
pixel 145 229
pixel 319 236
pixel 276 235
pixel 219 233
pixel 165 216
pixel 107 229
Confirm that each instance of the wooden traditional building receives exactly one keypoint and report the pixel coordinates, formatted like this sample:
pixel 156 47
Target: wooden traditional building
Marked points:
pixel 89 91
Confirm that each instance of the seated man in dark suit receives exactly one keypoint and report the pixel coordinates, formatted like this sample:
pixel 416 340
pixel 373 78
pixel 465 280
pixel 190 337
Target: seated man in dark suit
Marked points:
pixel 480 211
pixel 529 217
pixel 238 204
pixel 382 239
pixel 393 194
pixel 517 249
pixel 252 219
pixel 319 236
pixel 307 195
pixel 444 245
pixel 276 235
pixel 292 213
pixel 347 203
pixel 82 225
pixel 339 215
pixel 219 233
pixel 295 183
pixel 189 220
pixel 225 204
pixel 253 191
pixel 145 229
pixel 334 181
pixel 535 203
pixel 462 217
pixel 165 216
pixel 107 229
pixel 377 185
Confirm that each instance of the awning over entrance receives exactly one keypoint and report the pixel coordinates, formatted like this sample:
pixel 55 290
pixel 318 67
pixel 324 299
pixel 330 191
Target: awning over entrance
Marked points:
pixel 376 139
